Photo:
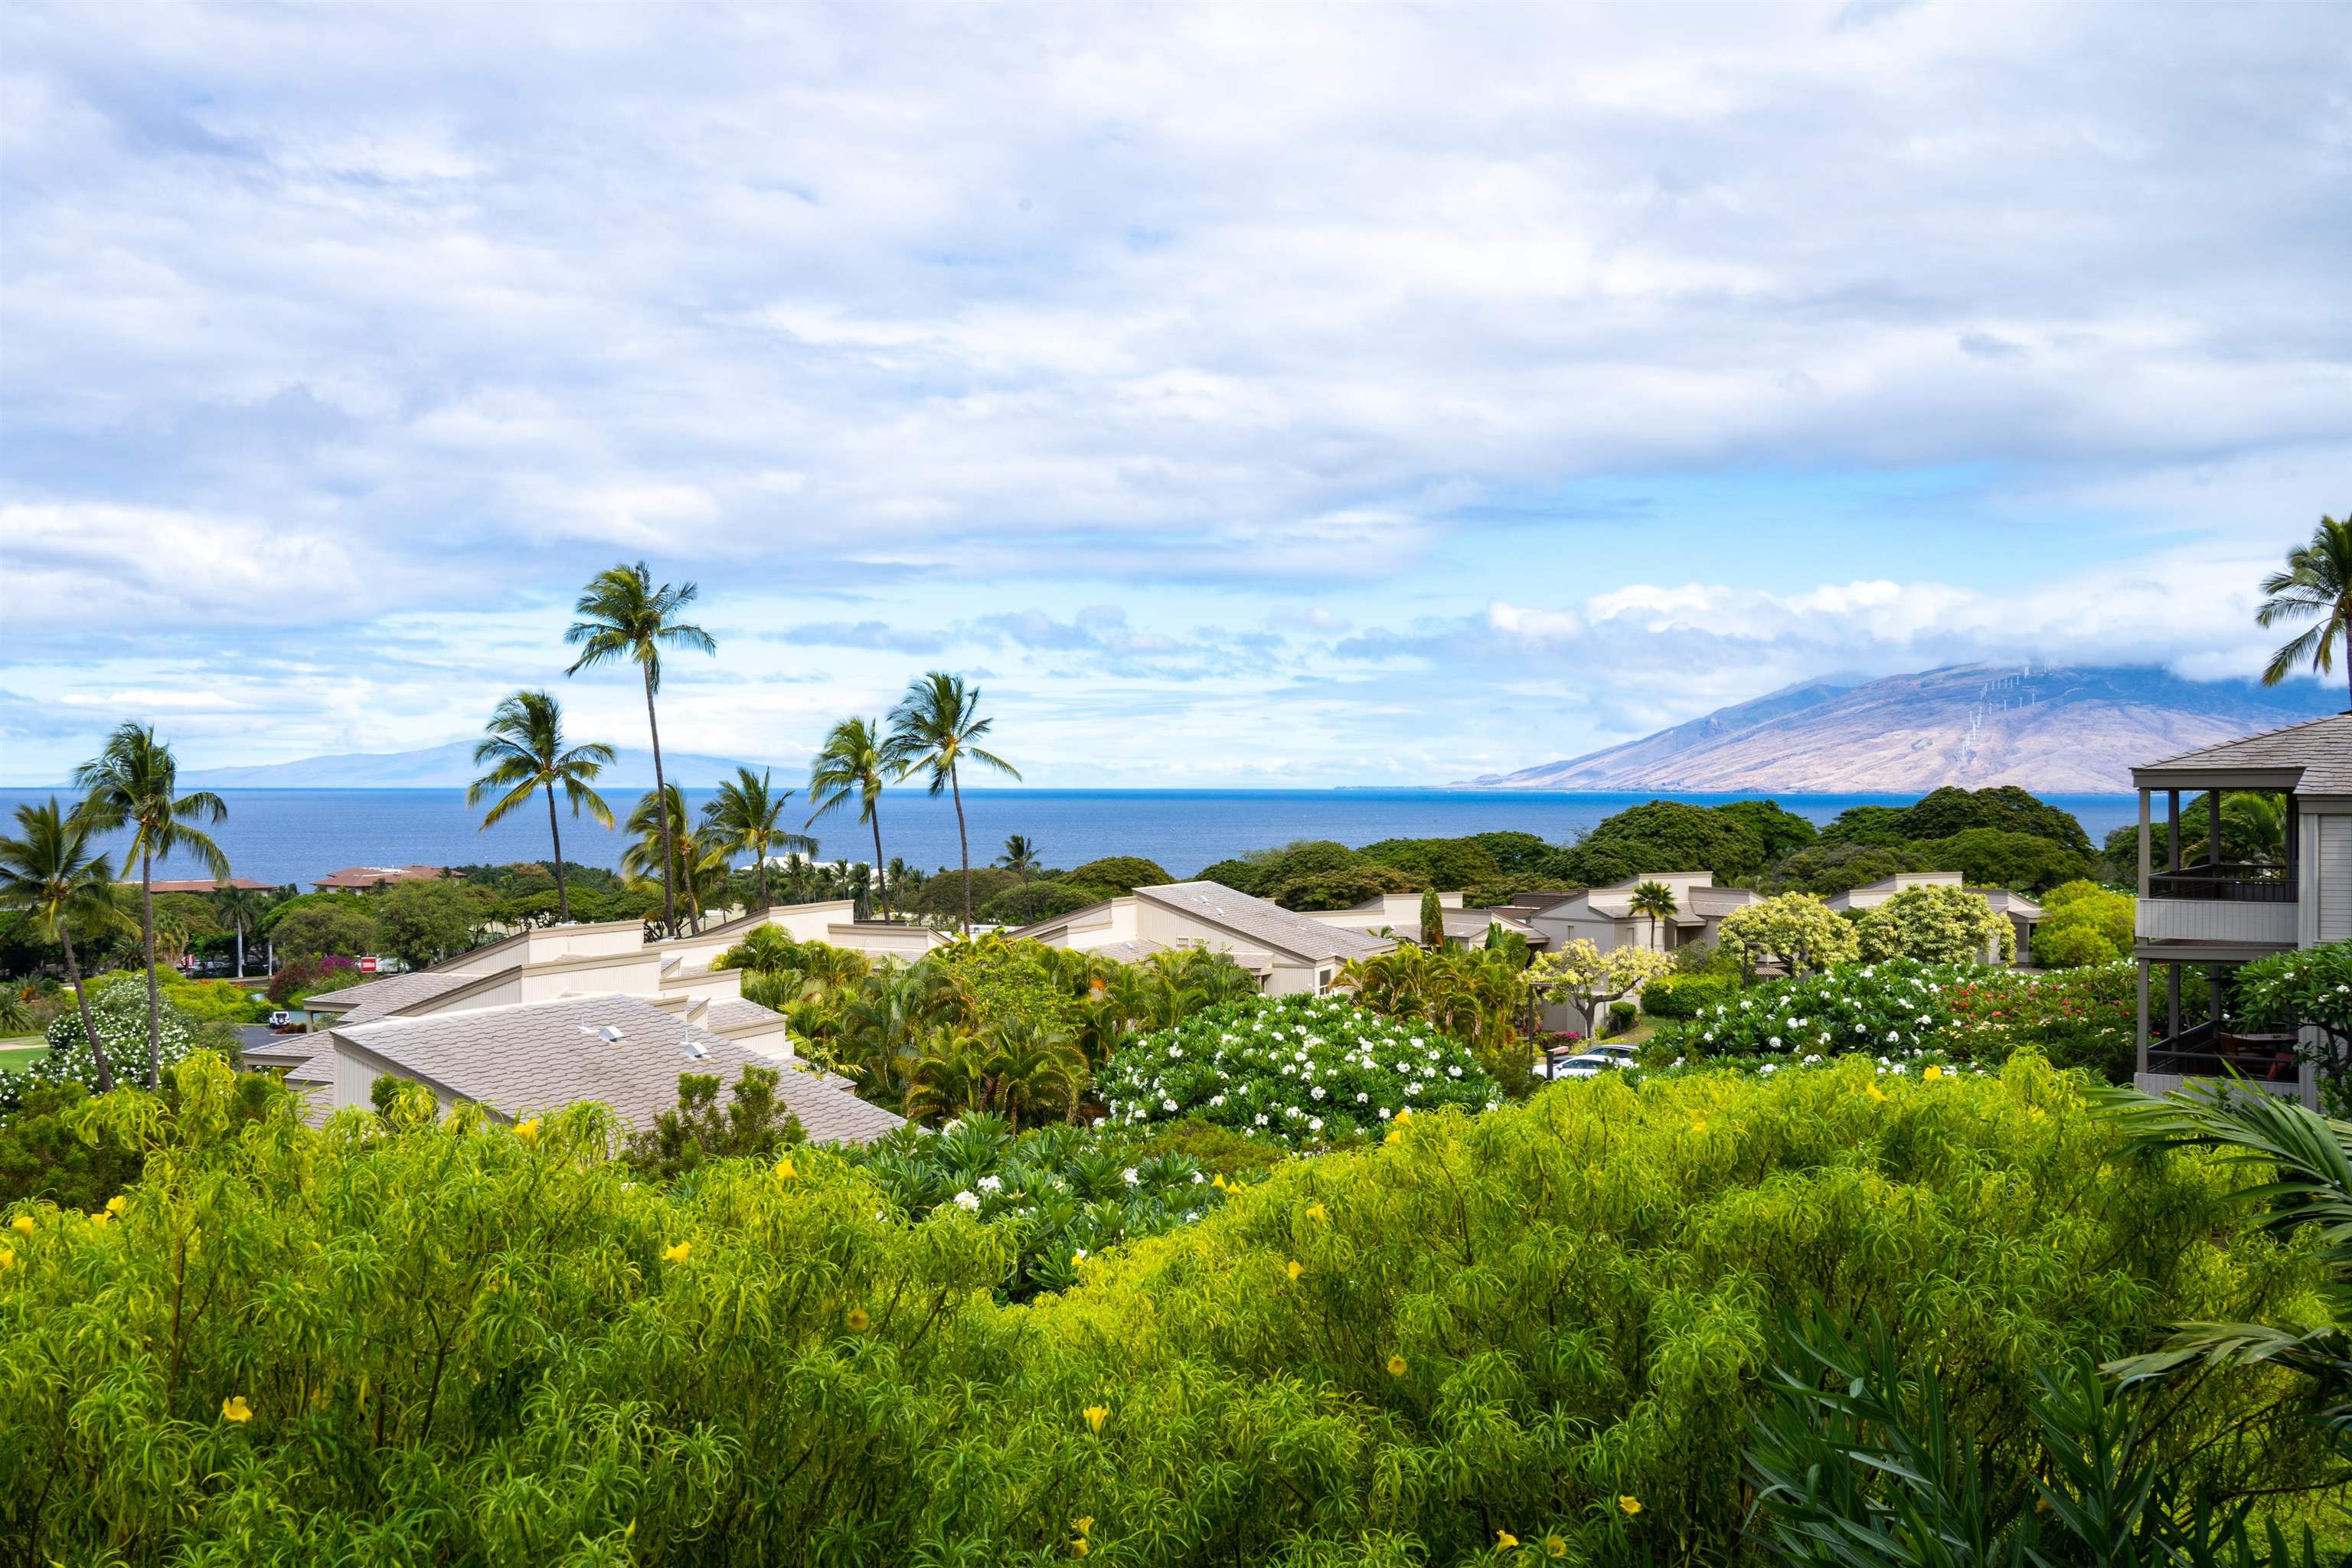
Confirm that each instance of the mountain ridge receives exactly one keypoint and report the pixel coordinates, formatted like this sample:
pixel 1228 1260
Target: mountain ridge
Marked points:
pixel 2054 729
pixel 449 766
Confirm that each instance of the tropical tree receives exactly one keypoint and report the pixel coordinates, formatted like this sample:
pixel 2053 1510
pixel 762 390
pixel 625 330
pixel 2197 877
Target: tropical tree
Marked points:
pixel 743 818
pixel 1020 857
pixel 625 617
pixel 241 909
pixel 1432 919
pixel 1799 929
pixel 50 872
pixel 1656 900
pixel 934 730
pixel 1935 925
pixel 2318 582
pixel 523 747
pixel 853 759
pixel 134 783
pixel 664 843
pixel 1583 974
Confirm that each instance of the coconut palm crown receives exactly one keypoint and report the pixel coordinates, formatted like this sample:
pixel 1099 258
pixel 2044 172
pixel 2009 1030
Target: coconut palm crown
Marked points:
pixel 134 783
pixel 2318 582
pixel 854 759
pixel 50 872
pixel 742 819
pixel 623 616
pixel 522 746
pixel 935 729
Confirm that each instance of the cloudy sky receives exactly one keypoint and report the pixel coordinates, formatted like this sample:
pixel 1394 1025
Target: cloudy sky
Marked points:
pixel 1240 395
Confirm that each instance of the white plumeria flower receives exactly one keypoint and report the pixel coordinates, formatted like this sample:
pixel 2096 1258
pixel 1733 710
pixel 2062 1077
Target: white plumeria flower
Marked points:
pixel 968 1200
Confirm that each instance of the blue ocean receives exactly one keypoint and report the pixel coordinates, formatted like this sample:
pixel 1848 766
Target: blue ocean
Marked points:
pixel 281 835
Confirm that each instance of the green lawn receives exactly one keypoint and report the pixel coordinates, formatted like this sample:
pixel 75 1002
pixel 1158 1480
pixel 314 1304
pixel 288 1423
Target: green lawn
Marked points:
pixel 17 1052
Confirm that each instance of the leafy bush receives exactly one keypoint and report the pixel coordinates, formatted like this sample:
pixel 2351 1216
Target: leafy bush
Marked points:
pixel 1037 902
pixel 1935 925
pixel 2312 989
pixel 2085 1017
pixel 1997 858
pixel 1673 835
pixel 1682 995
pixel 308 977
pixel 440 1341
pixel 2084 922
pixel 1121 874
pixel 1873 1008
pixel 1306 1070
pixel 118 1010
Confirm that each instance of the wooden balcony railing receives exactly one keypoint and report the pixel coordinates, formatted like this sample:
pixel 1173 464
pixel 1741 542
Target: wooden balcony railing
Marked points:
pixel 2199 1050
pixel 2235 883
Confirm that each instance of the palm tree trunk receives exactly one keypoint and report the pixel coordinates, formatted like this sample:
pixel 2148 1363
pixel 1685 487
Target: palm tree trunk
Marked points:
pixel 963 840
pixel 761 850
pixel 555 835
pixel 155 996
pixel 240 947
pixel 661 794
pixel 81 1000
pixel 873 815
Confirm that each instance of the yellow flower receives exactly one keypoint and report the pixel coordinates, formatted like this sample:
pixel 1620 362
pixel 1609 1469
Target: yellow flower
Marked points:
pixel 1078 1547
pixel 676 1254
pixel 235 1409
pixel 100 1218
pixel 1396 1366
pixel 1699 1125
pixel 1393 1134
pixel 856 1320
pixel 1506 1541
pixel 1875 1092
pixel 114 1203
pixel 528 1131
pixel 1082 1523
pixel 1932 1074
pixel 783 1171
pixel 24 1224
pixel 7 1258
pixel 1630 1504
pixel 1219 1181
pixel 1555 1547
pixel 1294 1269
pixel 1095 1415
pixel 1316 1211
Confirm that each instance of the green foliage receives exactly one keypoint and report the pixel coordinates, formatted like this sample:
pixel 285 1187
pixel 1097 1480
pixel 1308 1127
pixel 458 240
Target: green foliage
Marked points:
pixel 1446 864
pixel 2082 922
pixel 1944 813
pixel 1121 874
pixel 51 1152
pixel 118 1011
pixel 754 1124
pixel 1997 858
pixel 1304 1069
pixel 345 927
pixel 2312 989
pixel 307 977
pixel 1339 890
pixel 996 981
pixel 1826 868
pixel 1796 931
pixel 1033 902
pixel 422 922
pixel 2084 1018
pixel 1683 995
pixel 1937 924
pixel 456 1344
pixel 1877 826
pixel 1433 920
pixel 940 898
pixel 1877 1009
pixel 1736 842
pixel 1477 995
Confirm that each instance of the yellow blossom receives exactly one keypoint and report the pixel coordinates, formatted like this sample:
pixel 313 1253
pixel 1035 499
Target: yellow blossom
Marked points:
pixel 1396 1366
pixel 1506 1541
pixel 24 1224
pixel 100 1218
pixel 1078 1547
pixel 784 1171
pixel 1875 1092
pixel 235 1409
pixel 856 1320
pixel 7 1258
pixel 528 1131
pixel 1082 1523
pixel 114 1205
pixel 1315 1211
pixel 1405 1114
pixel 1555 1547
pixel 676 1254
pixel 1631 1505
pixel 1294 1269
pixel 1219 1181
pixel 1932 1074
pixel 1095 1415
pixel 1393 1134
pixel 1699 1125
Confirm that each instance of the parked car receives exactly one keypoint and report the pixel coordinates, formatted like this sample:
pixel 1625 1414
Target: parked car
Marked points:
pixel 1592 1061
pixel 283 1020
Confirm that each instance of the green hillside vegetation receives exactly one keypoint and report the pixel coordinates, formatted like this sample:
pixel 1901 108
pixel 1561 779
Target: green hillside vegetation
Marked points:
pixel 1545 1329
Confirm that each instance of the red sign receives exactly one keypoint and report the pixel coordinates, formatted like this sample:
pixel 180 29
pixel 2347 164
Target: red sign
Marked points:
pixel 367 966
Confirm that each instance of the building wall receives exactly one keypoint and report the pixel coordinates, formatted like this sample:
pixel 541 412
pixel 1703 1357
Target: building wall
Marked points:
pixel 2334 882
pixel 2193 920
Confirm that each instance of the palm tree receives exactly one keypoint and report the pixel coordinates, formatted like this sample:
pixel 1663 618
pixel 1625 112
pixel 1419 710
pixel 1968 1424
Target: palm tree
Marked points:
pixel 1655 900
pixel 742 816
pixel 52 874
pixel 664 839
pixel 1020 857
pixel 242 907
pixel 135 783
pixel 623 616
pixel 2318 582
pixel 854 756
pixel 932 729
pixel 523 744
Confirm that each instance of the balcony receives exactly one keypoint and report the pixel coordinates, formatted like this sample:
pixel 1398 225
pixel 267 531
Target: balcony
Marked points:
pixel 2225 882
pixel 2204 1049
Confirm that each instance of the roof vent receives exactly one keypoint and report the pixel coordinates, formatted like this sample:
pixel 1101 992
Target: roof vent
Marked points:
pixel 608 1033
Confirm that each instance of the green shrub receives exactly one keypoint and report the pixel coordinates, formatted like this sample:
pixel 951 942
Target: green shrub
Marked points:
pixel 456 1344
pixel 2084 1018
pixel 1621 1015
pixel 1121 874
pixel 1304 1069
pixel 118 1009
pixel 1037 902
pixel 1682 995
pixel 1876 1008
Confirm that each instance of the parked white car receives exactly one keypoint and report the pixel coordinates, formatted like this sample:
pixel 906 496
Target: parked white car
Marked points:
pixel 282 1019
pixel 1595 1061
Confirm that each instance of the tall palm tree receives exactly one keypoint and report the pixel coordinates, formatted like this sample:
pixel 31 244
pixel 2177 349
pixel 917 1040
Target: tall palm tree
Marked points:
pixel 664 839
pixel 853 758
pixel 623 616
pixel 242 909
pixel 524 746
pixel 1655 900
pixel 743 818
pixel 52 874
pixel 134 783
pixel 933 729
pixel 2318 582
pixel 1020 857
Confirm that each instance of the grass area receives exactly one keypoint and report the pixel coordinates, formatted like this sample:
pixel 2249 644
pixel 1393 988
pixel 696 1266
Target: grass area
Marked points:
pixel 17 1052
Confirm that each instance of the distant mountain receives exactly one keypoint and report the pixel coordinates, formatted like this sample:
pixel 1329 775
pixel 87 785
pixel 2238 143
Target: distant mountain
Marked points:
pixel 2056 730
pixel 450 767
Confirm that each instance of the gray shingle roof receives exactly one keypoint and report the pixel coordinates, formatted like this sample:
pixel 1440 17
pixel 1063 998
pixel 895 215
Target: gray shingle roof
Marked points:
pixel 1263 920
pixel 534 1056
pixel 375 999
pixel 734 1013
pixel 2321 748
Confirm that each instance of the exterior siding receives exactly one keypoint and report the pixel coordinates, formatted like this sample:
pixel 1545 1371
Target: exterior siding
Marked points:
pixel 2197 919
pixel 2335 879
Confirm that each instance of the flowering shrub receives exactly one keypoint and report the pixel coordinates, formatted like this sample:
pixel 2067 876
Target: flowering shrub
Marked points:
pixel 2311 988
pixel 310 976
pixel 119 1012
pixel 1935 925
pixel 2081 1017
pixel 1875 1008
pixel 1306 1070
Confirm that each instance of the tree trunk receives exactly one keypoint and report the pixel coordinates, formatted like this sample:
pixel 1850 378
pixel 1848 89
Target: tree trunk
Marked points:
pixel 963 841
pixel 154 996
pixel 661 795
pixel 240 947
pixel 761 850
pixel 88 1028
pixel 555 835
pixel 873 815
